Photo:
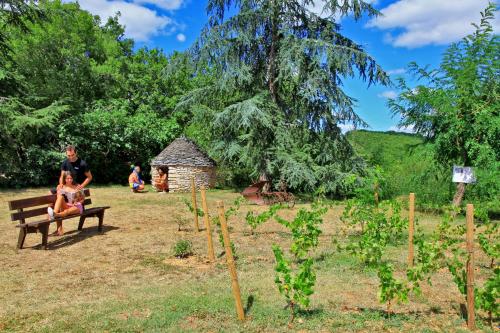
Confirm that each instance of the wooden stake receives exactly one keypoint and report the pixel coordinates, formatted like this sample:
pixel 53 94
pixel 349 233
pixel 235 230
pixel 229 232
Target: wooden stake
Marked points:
pixel 195 206
pixel 230 261
pixel 376 194
pixel 211 254
pixel 411 229
pixel 471 316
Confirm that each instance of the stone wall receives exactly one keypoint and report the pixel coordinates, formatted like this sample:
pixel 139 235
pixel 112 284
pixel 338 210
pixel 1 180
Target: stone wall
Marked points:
pixel 179 177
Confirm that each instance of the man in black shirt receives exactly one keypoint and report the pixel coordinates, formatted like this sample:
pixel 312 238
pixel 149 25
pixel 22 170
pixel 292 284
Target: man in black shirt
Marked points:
pixel 77 167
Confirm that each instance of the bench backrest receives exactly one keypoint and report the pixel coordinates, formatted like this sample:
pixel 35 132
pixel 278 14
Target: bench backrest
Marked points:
pixel 21 204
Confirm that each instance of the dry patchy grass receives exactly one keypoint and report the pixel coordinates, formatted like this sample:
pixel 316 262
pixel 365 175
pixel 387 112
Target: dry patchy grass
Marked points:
pixel 126 279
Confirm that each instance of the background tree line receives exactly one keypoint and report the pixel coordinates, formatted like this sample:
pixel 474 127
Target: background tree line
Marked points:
pixel 67 77
pixel 260 90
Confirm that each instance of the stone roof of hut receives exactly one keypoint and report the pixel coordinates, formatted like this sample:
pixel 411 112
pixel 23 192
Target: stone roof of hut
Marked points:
pixel 183 151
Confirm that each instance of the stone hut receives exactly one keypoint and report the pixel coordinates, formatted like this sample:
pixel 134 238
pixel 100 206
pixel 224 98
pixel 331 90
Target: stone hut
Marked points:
pixel 181 160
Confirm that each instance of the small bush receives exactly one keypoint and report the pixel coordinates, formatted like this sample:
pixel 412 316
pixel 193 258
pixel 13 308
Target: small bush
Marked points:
pixel 181 221
pixel 183 249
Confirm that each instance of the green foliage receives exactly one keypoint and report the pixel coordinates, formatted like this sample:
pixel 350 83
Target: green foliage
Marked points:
pixel 235 207
pixel 51 75
pixel 255 220
pixel 296 280
pixel 387 149
pixel 380 227
pixel 457 108
pixel 63 57
pixel 181 221
pixel 190 207
pixel 391 288
pixel 486 298
pixel 383 226
pixel 489 239
pixel 15 13
pixel 21 161
pixel 373 182
pixel 183 248
pixel 406 165
pixel 70 78
pixel 305 229
pixel 109 132
pixel 296 286
pixel 428 259
pixel 278 98
pixel 450 237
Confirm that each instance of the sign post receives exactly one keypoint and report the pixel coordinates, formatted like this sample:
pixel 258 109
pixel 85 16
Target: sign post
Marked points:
pixel 462 176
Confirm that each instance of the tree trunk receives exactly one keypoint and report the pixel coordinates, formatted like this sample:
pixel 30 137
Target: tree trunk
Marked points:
pixel 271 67
pixel 459 194
pixel 264 177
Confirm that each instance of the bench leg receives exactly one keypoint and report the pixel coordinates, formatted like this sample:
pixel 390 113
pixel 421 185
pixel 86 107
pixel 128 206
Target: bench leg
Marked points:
pixel 80 224
pixel 22 237
pixel 44 230
pixel 101 220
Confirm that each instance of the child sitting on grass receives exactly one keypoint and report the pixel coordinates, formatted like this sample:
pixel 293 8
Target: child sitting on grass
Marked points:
pixel 135 181
pixel 161 182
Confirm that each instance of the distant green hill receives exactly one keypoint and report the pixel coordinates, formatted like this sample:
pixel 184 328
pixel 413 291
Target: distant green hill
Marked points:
pixel 406 161
pixel 387 149
pixel 407 164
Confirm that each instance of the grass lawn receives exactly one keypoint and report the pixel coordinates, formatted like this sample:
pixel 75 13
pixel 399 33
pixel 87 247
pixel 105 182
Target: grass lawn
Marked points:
pixel 127 280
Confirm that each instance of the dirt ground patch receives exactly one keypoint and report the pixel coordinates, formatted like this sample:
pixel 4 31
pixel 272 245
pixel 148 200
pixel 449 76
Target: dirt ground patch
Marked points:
pixel 126 278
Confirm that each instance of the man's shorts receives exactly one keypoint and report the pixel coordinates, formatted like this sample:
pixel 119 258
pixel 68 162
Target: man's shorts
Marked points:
pixel 134 186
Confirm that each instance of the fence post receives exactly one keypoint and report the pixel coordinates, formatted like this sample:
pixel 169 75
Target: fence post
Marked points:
pixel 375 195
pixel 230 261
pixel 471 316
pixel 211 254
pixel 411 229
pixel 195 206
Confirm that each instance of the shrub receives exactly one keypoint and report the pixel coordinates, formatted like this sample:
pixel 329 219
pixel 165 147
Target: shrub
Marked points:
pixel 183 248
pixel 181 221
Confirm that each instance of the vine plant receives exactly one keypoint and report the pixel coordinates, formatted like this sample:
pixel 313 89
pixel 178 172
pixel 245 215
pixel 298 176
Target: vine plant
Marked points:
pixel 254 220
pixel 485 296
pixel 380 227
pixel 296 278
pixel 297 287
pixel 190 207
pixel 489 240
pixel 305 229
pixel 443 248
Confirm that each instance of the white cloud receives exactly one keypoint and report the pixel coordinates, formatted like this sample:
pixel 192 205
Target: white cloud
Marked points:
pixel 397 71
pixel 181 37
pixel 403 129
pixel 416 23
pixel 344 128
pixel 388 94
pixel 164 4
pixel 140 23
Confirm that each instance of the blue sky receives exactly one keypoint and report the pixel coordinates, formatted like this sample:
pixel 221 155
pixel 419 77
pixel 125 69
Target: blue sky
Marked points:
pixel 409 30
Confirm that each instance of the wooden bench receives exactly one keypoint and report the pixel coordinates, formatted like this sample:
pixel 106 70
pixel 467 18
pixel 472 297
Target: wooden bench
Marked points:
pixel 42 225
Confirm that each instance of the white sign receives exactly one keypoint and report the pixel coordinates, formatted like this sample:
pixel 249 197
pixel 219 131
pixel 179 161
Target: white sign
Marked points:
pixel 463 175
